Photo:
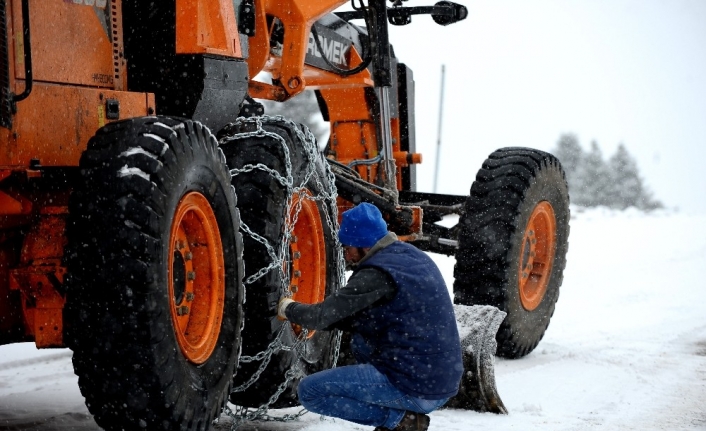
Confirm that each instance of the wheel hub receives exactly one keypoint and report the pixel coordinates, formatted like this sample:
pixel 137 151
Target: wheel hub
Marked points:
pixel 537 255
pixel 196 277
pixel 307 253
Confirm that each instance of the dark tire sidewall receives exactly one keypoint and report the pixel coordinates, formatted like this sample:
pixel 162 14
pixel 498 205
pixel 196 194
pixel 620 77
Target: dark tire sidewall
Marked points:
pixel 535 322
pixel 509 186
pixel 149 380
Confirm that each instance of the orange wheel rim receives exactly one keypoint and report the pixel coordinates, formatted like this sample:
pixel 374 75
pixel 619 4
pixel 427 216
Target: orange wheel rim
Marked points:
pixel 196 277
pixel 307 252
pixel 537 255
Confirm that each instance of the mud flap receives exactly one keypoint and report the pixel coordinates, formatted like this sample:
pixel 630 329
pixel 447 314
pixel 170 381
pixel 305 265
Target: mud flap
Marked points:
pixel 477 326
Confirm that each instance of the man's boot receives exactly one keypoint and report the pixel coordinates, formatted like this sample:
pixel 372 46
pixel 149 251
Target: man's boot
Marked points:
pixel 412 421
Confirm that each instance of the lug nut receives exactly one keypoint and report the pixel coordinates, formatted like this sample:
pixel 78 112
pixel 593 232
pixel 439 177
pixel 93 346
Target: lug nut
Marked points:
pixel 183 310
pixel 297 273
pixel 190 296
pixel 294 288
pixel 296 255
pixel 294 239
pixel 188 255
pixel 191 275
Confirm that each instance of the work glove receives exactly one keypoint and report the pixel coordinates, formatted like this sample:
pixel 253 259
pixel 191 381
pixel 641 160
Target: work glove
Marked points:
pixel 282 306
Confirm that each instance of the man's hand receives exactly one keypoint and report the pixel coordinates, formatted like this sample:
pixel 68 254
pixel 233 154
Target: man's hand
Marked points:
pixel 283 303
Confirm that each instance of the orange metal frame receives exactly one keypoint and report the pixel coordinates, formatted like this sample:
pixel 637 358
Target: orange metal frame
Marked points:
pixel 353 129
pixel 207 27
pixel 297 16
pixel 78 65
pixel 353 135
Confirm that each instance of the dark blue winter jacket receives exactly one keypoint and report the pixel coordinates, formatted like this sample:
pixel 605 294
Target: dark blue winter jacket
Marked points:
pixel 412 338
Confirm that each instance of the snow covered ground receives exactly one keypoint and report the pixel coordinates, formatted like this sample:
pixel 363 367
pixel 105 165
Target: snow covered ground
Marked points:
pixel 626 349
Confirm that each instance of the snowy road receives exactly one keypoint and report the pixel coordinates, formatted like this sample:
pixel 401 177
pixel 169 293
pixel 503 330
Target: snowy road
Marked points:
pixel 626 349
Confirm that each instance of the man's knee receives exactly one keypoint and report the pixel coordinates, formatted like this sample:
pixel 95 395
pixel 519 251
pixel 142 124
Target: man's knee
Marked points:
pixel 306 392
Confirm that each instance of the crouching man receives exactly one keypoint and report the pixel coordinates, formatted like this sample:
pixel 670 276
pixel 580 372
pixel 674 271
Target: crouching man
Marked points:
pixel 403 332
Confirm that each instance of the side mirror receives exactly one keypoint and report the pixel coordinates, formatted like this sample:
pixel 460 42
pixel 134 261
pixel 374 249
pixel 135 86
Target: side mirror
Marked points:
pixel 446 12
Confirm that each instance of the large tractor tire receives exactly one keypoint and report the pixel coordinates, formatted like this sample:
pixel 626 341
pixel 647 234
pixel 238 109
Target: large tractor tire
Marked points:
pixel 513 244
pixel 289 233
pixel 154 281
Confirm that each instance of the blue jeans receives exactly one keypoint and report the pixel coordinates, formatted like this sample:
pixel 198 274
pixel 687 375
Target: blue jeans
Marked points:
pixel 360 394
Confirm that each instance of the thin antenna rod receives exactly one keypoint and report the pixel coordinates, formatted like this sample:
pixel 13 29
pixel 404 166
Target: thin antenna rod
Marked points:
pixel 438 136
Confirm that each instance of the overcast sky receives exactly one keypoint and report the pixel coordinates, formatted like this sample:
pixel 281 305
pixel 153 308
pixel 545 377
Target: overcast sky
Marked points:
pixel 521 73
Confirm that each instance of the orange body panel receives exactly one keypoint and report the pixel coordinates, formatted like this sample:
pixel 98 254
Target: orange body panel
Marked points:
pixel 14 205
pixel 353 135
pixel 10 303
pixel 355 140
pixel 79 73
pixel 39 276
pixel 46 130
pixel 297 16
pixel 71 43
pixel 207 27
pixel 318 79
pixel 259 44
pixel 314 79
pixel 348 104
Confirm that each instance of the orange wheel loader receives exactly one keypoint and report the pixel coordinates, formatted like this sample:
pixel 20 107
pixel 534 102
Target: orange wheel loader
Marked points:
pixel 145 192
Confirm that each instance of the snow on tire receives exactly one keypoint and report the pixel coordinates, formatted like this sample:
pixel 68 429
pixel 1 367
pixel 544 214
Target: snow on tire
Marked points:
pixel 513 244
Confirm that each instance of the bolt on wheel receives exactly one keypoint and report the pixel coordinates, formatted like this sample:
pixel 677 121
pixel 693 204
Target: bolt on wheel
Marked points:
pixel 538 248
pixel 196 277
pixel 307 253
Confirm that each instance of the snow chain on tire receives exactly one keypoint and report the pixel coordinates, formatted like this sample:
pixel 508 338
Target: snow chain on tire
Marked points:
pixel 513 244
pixel 278 173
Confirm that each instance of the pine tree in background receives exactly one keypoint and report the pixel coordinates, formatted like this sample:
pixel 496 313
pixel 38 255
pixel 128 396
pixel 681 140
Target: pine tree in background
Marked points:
pixel 597 179
pixel 624 169
pixel 569 152
pixel 631 190
pixel 595 182
pixel 302 108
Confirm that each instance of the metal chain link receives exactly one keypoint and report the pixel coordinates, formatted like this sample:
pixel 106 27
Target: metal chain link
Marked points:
pixel 325 183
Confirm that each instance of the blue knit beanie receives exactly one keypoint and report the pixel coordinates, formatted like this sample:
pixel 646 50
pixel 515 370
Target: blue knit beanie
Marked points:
pixel 362 226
